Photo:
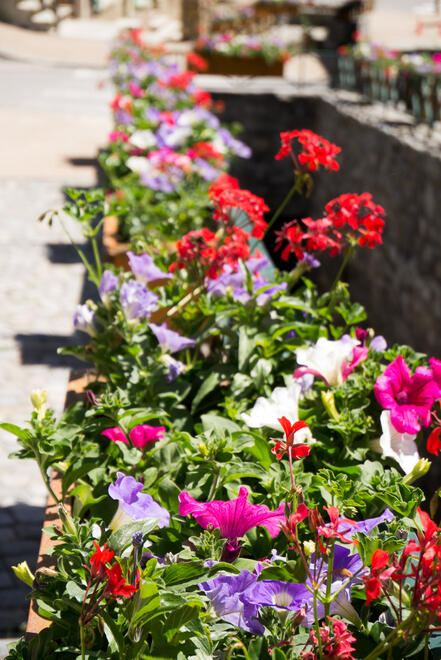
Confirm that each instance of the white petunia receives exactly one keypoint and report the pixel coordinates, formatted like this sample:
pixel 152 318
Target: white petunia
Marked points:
pixel 400 446
pixel 143 139
pixel 283 402
pixel 326 357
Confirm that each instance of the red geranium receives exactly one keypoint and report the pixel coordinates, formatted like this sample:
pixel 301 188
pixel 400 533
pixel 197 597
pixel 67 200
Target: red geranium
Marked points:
pixel 231 201
pixel 197 62
pixel 315 151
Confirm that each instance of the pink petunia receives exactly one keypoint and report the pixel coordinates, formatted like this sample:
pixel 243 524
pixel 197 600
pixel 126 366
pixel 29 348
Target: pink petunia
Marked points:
pixel 116 435
pixel 233 517
pixel 143 434
pixel 409 398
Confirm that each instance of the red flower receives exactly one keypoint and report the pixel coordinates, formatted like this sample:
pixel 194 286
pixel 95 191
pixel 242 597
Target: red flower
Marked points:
pixel 289 528
pixel 99 560
pixel 296 451
pixel 333 530
pixel 116 584
pixel 197 62
pixel 202 98
pixel 434 441
pixel 203 249
pixel 315 150
pixel 361 214
pixel 230 201
pixel 377 576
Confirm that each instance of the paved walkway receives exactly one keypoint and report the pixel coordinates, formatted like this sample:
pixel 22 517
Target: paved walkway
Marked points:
pixel 56 119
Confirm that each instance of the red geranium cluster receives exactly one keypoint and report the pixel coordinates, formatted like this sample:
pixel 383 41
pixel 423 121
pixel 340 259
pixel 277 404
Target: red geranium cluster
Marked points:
pixel 196 62
pixel 295 450
pixel 101 574
pixel 210 251
pixel 230 202
pixel 357 215
pixel 205 150
pixel 315 151
pixel 419 564
pixel 336 642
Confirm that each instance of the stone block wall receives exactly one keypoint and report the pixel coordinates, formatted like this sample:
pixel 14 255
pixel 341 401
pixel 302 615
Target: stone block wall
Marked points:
pixel 399 282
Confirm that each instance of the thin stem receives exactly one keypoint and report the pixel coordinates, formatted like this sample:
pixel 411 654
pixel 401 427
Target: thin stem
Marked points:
pixel 92 275
pixel 343 264
pixel 83 641
pixel 390 639
pixel 329 580
pixel 291 468
pixel 96 254
pixel 317 626
pixel 214 484
pixel 282 206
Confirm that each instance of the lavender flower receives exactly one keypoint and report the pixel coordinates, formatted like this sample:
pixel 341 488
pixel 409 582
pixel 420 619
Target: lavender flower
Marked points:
pixel 238 147
pixel 170 340
pixel 109 282
pixel 137 302
pixel 134 505
pixel 310 261
pixel 205 170
pixel 175 367
pixel 84 319
pixel 228 596
pixel 378 344
pixel 144 268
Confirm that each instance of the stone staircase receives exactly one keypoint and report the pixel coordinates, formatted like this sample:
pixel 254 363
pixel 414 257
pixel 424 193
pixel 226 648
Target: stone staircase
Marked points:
pixel 35 14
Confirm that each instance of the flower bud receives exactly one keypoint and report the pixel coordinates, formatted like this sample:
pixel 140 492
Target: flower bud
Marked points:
pixel 308 548
pixel 39 400
pixel 202 447
pixel 419 470
pixel 23 572
pixel 329 404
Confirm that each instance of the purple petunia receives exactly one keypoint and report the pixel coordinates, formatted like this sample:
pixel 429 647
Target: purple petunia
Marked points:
pixel 228 596
pixel 170 340
pixel 137 302
pixel 133 504
pixel 144 269
pixel 83 319
pixel 109 282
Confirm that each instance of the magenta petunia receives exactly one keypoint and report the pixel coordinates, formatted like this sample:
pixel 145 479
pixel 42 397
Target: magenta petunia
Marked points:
pixel 143 434
pixel 234 517
pixel 359 354
pixel 409 398
pixel 116 435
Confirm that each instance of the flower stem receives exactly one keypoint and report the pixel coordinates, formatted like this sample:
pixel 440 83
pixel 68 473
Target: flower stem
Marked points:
pixel 294 189
pixel 317 626
pixel 293 484
pixel 83 641
pixel 329 580
pixel 343 264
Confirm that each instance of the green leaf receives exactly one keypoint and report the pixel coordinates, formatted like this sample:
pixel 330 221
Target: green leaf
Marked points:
pixel 75 471
pixel 123 536
pixel 246 346
pixel 183 572
pixel 219 424
pixel 207 386
pixel 75 591
pixel 22 434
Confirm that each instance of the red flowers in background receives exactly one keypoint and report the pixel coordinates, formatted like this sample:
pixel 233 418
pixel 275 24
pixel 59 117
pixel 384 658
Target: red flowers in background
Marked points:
pixel 349 219
pixel 205 250
pixel 230 201
pixel 315 151
pixel 196 62
pixel 236 210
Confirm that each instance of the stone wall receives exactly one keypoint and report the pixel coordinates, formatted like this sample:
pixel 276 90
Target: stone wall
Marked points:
pixel 399 282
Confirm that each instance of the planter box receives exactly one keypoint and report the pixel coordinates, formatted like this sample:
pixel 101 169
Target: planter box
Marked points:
pixel 114 251
pixel 227 65
pixel 75 391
